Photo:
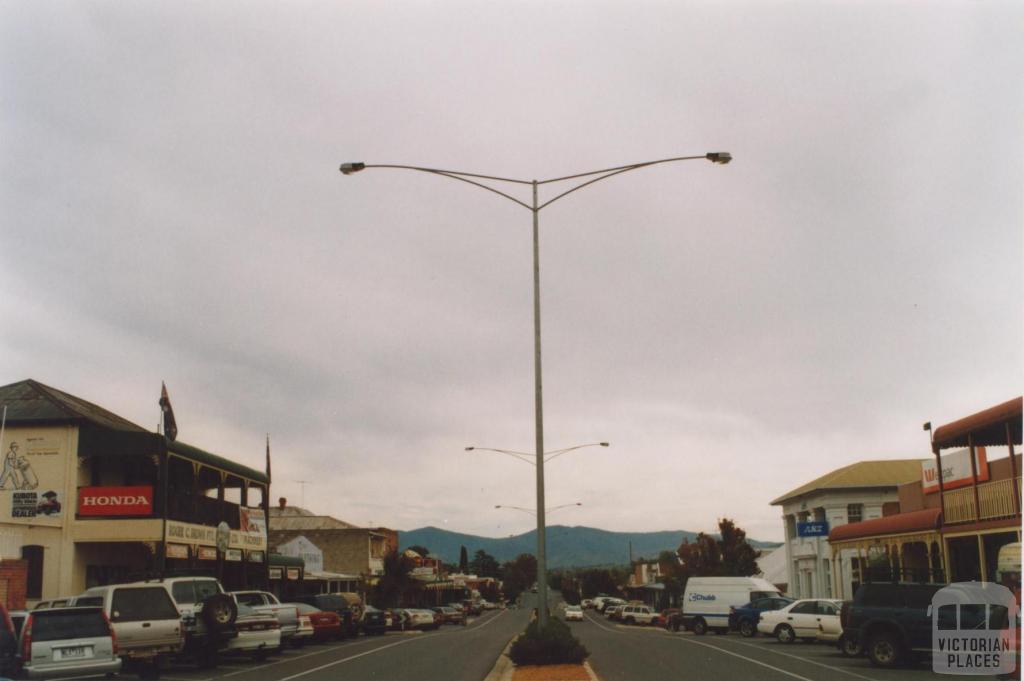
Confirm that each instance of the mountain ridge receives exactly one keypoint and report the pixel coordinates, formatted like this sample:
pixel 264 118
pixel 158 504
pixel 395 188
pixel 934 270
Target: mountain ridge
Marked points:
pixel 567 546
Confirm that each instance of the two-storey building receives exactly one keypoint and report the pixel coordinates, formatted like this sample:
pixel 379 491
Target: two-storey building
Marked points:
pixel 89 498
pixel 853 494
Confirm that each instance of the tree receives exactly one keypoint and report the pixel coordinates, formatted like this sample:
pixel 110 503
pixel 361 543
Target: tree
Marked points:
pixel 396 580
pixel 729 556
pixel 484 564
pixel 518 575
pixel 463 560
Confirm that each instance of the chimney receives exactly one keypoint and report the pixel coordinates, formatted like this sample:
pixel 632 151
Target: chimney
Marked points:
pixel 282 502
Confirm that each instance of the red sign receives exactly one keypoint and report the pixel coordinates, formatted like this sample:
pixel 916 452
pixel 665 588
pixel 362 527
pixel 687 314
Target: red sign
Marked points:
pixel 116 501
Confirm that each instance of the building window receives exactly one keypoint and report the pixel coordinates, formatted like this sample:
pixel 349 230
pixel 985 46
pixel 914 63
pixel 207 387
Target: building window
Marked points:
pixel 33 555
pixel 826 575
pixel 854 513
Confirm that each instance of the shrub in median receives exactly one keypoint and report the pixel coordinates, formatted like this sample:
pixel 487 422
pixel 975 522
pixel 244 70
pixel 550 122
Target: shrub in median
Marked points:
pixel 554 644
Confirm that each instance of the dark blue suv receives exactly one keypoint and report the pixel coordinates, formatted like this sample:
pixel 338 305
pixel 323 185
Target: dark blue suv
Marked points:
pixel 745 617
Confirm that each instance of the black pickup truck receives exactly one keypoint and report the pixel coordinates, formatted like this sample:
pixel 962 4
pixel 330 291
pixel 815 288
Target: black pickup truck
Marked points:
pixel 891 622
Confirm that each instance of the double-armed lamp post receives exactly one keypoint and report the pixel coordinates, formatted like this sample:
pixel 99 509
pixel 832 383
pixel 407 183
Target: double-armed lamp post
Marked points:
pixel 535 206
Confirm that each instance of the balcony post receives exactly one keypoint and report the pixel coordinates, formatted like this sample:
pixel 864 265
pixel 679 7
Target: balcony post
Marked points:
pixel 974 477
pixel 1013 469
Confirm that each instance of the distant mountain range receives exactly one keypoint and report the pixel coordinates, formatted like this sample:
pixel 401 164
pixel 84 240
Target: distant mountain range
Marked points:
pixel 567 546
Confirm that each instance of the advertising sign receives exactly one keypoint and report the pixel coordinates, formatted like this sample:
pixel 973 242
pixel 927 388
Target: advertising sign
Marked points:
pixel 813 529
pixel 177 551
pixel 206 553
pixel 274 573
pixel 255 556
pixel 115 501
pixel 293 573
pixel 204 535
pixel 234 555
pixel 33 472
pixel 956 470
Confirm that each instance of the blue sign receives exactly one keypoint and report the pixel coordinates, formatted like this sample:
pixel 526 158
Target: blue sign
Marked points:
pixel 818 529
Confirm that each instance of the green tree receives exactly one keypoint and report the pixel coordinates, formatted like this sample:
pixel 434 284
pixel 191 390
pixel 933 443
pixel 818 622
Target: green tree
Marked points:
pixel 463 560
pixel 518 575
pixel 731 555
pixel 396 581
pixel 484 564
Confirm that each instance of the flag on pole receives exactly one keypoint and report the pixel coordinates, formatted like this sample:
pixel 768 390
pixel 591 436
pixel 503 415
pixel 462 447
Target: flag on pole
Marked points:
pixel 170 427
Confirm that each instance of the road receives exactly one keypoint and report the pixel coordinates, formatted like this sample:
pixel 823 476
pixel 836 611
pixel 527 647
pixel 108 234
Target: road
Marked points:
pixel 633 653
pixel 452 653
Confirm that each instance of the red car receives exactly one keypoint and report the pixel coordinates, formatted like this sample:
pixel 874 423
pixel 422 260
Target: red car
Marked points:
pixel 326 624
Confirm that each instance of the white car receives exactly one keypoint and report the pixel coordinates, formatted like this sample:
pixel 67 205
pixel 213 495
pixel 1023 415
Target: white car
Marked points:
pixel 421 619
pixel 809 619
pixel 573 612
pixel 587 603
pixel 259 634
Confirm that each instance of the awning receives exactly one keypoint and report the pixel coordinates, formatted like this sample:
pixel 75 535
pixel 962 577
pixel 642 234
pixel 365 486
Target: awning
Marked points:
pixel 986 428
pixel 331 576
pixel 926 520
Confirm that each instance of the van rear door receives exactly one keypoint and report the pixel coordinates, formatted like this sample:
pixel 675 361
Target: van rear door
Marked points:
pixel 145 618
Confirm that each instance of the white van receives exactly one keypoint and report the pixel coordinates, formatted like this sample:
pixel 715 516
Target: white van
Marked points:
pixel 707 600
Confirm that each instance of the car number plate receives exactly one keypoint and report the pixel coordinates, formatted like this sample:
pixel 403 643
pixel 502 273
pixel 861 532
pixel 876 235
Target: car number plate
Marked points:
pixel 72 653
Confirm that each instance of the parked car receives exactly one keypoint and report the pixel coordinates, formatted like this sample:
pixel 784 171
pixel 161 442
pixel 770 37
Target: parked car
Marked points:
pixel 609 602
pixel 55 603
pixel 706 600
pixel 587 603
pixel 10 628
pixel 451 615
pixel 374 621
pixel 264 601
pixel 338 604
pixel 613 612
pixel 207 615
pixel 639 614
pixel 75 641
pixel 326 624
pixel 259 634
pixel 145 619
pixel 303 632
pixel 744 618
pixel 891 621
pixel 423 619
pixel 809 619
pixel 848 644
pixel 573 612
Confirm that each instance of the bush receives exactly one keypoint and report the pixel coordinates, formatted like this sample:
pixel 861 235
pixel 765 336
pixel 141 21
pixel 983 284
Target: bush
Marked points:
pixel 554 644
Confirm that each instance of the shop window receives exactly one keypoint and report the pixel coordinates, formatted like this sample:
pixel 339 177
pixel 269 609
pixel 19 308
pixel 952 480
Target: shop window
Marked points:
pixel 854 513
pixel 33 555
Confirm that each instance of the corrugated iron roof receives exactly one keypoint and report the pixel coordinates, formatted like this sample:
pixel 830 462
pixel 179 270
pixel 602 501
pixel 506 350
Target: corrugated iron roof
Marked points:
pixel 883 473
pixel 308 522
pixel 901 523
pixel 986 428
pixel 31 403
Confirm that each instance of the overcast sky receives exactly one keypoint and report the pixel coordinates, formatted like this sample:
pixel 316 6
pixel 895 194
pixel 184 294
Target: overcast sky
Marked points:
pixel 172 210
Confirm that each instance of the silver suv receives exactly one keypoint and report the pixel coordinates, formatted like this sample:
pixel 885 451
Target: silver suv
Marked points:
pixel 145 619
pixel 59 642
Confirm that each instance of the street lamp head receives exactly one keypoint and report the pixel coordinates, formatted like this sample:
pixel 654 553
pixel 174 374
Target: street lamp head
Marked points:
pixel 603 444
pixel 349 168
pixel 470 448
pixel 720 157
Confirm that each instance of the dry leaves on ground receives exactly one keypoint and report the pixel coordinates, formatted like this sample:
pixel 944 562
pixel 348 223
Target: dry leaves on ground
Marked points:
pixel 551 672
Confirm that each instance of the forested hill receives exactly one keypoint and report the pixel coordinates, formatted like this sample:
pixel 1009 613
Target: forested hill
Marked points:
pixel 567 546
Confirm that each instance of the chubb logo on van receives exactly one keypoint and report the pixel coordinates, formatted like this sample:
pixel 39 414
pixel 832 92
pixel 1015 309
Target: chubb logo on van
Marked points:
pixel 701 597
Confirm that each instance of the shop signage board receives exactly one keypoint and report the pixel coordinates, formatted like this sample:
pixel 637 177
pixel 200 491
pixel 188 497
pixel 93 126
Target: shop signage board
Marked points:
pixel 293 573
pixel 177 551
pixel 956 470
pixel 32 476
pixel 204 535
pixel 812 529
pixel 255 556
pixel 115 501
pixel 274 573
pixel 206 553
pixel 234 555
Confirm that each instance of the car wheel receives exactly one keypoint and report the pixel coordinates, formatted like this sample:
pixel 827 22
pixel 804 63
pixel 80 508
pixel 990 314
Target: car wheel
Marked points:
pixel 747 628
pixel 884 651
pixel 784 633
pixel 849 646
pixel 700 627
pixel 219 612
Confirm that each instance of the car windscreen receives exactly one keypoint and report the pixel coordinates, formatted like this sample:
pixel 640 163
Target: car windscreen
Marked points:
pixel 754 595
pixel 144 603
pixel 62 625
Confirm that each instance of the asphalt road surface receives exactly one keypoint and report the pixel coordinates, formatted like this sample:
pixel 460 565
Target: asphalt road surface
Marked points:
pixel 621 652
pixel 452 653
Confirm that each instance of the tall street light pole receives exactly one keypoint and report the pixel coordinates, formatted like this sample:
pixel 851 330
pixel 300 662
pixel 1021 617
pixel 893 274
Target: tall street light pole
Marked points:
pixel 535 206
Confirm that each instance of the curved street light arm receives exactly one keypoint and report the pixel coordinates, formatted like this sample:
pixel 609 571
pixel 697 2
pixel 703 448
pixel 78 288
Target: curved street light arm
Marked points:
pixel 625 167
pixel 558 452
pixel 521 456
pixel 349 168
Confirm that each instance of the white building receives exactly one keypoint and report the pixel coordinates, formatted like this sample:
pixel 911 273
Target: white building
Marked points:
pixel 860 491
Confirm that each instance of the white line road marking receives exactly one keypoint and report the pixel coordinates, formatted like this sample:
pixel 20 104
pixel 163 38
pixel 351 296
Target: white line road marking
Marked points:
pixel 804 659
pixel 744 657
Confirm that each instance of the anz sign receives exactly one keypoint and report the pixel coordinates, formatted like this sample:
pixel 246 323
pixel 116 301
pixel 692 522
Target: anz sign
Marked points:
pixel 815 529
